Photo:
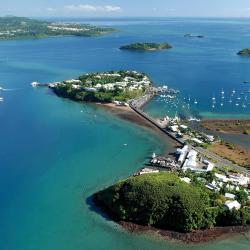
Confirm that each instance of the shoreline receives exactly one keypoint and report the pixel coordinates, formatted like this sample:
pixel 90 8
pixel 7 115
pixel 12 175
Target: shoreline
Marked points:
pixel 191 238
pixel 227 126
pixel 128 114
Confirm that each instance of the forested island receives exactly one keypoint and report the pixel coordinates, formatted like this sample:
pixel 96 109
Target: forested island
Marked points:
pixel 164 201
pixel 12 28
pixel 146 46
pixel 244 52
pixel 105 87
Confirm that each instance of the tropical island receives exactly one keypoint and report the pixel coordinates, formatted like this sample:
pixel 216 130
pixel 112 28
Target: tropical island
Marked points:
pixel 146 46
pixel 244 52
pixel 104 87
pixel 191 195
pixel 176 205
pixel 12 28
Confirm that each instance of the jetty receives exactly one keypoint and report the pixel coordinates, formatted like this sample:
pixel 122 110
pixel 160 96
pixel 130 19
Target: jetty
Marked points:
pixel 137 105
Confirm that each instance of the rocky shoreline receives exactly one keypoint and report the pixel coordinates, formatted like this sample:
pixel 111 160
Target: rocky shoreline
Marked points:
pixel 200 236
pixel 196 237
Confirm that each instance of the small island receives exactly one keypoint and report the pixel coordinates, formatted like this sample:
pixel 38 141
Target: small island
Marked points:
pixel 13 28
pixel 106 87
pixel 146 46
pixel 244 52
pixel 179 205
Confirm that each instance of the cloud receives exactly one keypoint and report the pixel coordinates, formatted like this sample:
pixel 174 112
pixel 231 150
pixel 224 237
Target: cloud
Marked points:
pixel 92 8
pixel 50 9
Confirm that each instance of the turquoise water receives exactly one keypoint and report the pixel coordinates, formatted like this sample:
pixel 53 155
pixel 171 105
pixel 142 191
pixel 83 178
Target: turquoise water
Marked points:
pixel 53 156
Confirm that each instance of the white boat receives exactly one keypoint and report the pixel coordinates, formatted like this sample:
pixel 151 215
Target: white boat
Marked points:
pixel 195 101
pixel 191 119
pixel 222 92
pixel 34 84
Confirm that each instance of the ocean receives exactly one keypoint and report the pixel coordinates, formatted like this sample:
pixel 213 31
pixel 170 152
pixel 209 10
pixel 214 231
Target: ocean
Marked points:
pixel 55 153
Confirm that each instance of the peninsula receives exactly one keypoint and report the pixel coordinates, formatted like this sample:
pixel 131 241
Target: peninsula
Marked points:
pixel 106 87
pixel 179 204
pixel 244 52
pixel 191 195
pixel 146 46
pixel 13 28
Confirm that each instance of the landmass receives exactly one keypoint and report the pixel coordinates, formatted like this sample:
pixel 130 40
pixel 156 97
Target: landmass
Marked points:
pixel 192 194
pixel 228 126
pixel 244 52
pixel 146 46
pixel 232 152
pixel 107 87
pixel 12 28
pixel 176 205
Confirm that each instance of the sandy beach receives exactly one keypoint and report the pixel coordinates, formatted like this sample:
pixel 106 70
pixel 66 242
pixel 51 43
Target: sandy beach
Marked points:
pixel 128 114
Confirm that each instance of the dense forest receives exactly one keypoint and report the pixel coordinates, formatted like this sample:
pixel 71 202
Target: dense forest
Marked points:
pixel 164 201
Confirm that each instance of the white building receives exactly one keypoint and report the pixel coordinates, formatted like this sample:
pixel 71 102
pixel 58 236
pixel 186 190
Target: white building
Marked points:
pixel 182 152
pixel 230 196
pixel 239 179
pixel 233 205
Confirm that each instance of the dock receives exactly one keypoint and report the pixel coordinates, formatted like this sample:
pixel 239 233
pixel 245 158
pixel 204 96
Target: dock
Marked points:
pixel 137 104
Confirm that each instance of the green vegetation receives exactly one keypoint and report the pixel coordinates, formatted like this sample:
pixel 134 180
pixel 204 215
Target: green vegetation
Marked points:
pixel 244 52
pixel 24 28
pixel 104 87
pixel 246 132
pixel 146 46
pixel 162 200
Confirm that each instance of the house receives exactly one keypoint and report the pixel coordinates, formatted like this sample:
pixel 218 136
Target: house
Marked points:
pixel 182 152
pixel 232 205
pixel 213 187
pixel 208 166
pixel 210 138
pixel 90 89
pixel 230 196
pixel 174 128
pixel 197 141
pixel 221 177
pixel 239 179
pixel 183 127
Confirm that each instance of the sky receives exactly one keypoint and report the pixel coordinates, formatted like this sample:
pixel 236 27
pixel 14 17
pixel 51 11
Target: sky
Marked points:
pixel 126 8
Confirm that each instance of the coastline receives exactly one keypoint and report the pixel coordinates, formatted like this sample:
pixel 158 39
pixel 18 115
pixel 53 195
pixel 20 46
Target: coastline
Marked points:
pixel 128 114
pixel 226 126
pixel 195 238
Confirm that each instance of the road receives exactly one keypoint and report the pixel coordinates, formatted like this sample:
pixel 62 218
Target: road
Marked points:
pixel 220 162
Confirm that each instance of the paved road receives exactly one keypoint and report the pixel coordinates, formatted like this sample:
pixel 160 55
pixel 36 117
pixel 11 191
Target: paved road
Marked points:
pixel 221 161
pixel 137 104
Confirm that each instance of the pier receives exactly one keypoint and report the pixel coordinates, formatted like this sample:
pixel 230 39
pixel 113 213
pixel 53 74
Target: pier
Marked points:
pixel 137 104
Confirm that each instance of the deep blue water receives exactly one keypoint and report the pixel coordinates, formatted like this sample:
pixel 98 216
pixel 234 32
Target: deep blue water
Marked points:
pixel 53 156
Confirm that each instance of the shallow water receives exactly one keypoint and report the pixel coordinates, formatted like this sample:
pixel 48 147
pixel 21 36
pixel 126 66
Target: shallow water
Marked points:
pixel 53 156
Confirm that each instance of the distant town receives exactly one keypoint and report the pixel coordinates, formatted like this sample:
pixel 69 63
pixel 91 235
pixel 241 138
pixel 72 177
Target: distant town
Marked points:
pixel 12 28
